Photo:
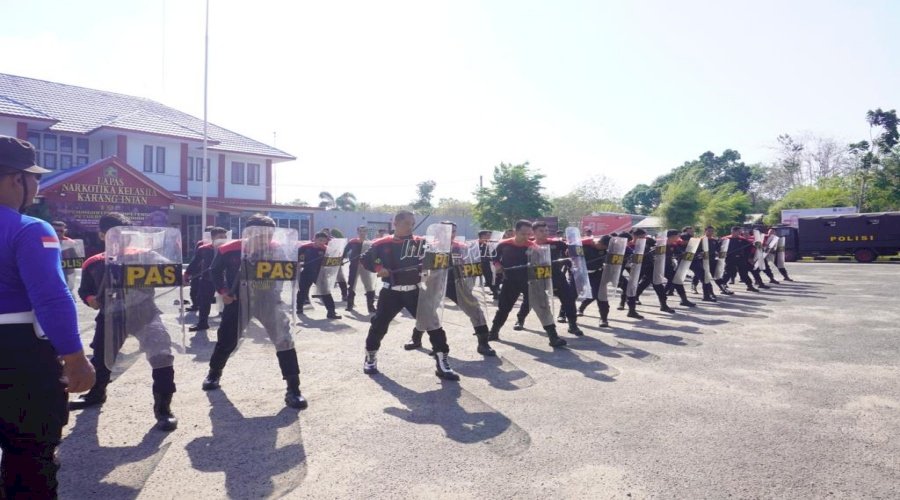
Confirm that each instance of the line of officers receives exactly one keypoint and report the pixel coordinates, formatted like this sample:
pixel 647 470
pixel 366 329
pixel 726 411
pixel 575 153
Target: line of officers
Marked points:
pixel 267 276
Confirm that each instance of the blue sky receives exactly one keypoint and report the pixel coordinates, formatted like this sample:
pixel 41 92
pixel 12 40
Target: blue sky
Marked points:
pixel 373 97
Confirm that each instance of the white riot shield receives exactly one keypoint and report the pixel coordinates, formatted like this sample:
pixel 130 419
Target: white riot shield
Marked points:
pixel 143 280
pixel 759 256
pixel 684 265
pixel 771 248
pixel 659 261
pixel 612 268
pixel 72 252
pixel 723 254
pixel 579 266
pixel 637 262
pixel 540 284
pixel 704 247
pixel 435 268
pixel 470 295
pixel 268 282
pixel 367 277
pixel 331 266
pixel 779 253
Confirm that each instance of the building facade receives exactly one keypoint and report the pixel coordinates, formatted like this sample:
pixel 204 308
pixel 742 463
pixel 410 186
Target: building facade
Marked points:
pixel 113 152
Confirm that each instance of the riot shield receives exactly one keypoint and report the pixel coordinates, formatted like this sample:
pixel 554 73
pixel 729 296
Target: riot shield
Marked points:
pixel 637 262
pixel 579 266
pixel 771 248
pixel 704 247
pixel 612 268
pixel 470 295
pixel 684 265
pixel 759 256
pixel 368 278
pixel 659 260
pixel 540 283
pixel 723 254
pixel 331 265
pixel 143 275
pixel 435 267
pixel 779 253
pixel 268 281
pixel 72 252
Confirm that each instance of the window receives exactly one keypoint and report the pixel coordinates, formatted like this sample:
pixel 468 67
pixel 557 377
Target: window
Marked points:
pixel 55 151
pixel 49 161
pixel 66 144
pixel 160 160
pixel 237 172
pixel 194 167
pixel 82 146
pixel 81 161
pixel 148 158
pixel 35 139
pixel 253 174
pixel 65 162
pixel 49 142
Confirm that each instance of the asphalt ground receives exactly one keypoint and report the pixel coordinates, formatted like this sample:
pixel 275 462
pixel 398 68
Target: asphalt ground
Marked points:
pixel 793 392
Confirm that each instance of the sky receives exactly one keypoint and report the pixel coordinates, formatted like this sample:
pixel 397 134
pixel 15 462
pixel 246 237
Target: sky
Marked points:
pixel 375 97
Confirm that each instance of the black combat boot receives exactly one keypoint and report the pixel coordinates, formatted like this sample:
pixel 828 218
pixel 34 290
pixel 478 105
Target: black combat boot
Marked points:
pixel 683 294
pixel 443 370
pixel 292 396
pixel 583 306
pixel 555 340
pixel 708 293
pixel 211 382
pixel 604 313
pixel 343 286
pixel 415 342
pixel 351 298
pixel 484 348
pixel 94 397
pixel 162 410
pixel 494 334
pixel 370 302
pixel 520 325
pixel 632 308
pixel 574 330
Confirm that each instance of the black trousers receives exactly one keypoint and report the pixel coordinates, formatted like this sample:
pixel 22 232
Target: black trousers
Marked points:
pixel 390 303
pixel 487 269
pixel 303 292
pixel 351 281
pixel 194 290
pixel 734 267
pixel 227 339
pixel 206 297
pixel 509 294
pixel 594 278
pixel 163 377
pixel 33 411
pixel 783 272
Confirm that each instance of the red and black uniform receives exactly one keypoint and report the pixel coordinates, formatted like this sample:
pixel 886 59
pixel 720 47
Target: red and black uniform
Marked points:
pixel 402 257
pixel 563 284
pixel 594 259
pixel 311 257
pixel 737 261
pixel 226 274
pixel 674 251
pixel 512 257
pixel 203 293
pixel 93 284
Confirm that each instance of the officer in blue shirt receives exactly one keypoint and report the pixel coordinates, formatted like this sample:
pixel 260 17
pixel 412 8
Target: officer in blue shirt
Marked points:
pixel 41 357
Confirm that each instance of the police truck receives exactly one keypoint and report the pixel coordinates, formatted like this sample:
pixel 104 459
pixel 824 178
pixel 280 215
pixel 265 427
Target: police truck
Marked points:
pixel 864 236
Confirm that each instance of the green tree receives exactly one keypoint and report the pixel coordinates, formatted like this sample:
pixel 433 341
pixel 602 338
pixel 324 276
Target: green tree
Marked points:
pixel 828 193
pixel 870 157
pixel 346 202
pixel 681 204
pixel 595 194
pixel 515 193
pixel 723 207
pixel 452 206
pixel 424 193
pixel 642 199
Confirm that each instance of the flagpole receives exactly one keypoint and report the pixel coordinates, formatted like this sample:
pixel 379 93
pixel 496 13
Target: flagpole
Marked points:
pixel 204 170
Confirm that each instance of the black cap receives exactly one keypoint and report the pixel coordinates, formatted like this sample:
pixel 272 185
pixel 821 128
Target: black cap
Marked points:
pixel 19 155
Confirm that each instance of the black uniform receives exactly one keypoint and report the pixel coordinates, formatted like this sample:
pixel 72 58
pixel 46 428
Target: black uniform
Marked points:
pixel 401 256
pixel 487 268
pixel 205 294
pixel 737 261
pixel 563 285
pixel 311 257
pixel 352 253
pixel 225 272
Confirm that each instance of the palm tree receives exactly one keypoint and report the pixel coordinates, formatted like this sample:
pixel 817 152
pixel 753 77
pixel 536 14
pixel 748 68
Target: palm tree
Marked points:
pixel 326 200
pixel 346 202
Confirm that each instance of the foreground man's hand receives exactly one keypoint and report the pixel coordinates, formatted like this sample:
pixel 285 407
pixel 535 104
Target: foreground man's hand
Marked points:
pixel 78 373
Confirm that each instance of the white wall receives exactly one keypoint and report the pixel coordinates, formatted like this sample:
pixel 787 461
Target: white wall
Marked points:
pixel 244 191
pixel 195 188
pixel 171 179
pixel 8 126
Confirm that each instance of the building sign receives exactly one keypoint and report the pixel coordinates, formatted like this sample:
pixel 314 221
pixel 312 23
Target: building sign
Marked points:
pixel 789 217
pixel 80 199
pixel 606 223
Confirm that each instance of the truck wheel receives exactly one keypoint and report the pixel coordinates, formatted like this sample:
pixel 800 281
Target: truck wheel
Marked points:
pixel 865 255
pixel 790 256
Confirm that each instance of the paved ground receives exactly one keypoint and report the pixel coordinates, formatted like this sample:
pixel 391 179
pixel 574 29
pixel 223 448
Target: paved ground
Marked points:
pixel 794 392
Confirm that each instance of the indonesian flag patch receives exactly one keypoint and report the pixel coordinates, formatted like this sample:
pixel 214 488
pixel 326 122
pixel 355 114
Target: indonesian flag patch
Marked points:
pixel 50 241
